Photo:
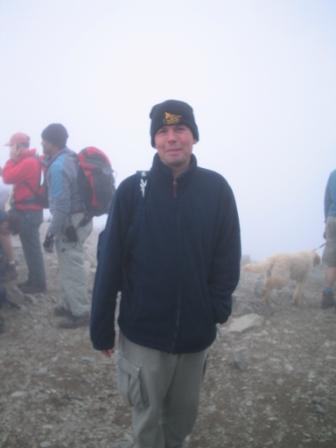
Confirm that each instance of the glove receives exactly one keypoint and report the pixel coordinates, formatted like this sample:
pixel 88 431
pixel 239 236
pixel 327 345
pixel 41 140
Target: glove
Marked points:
pixel 71 234
pixel 48 243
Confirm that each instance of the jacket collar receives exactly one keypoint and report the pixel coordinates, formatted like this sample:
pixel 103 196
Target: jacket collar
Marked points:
pixel 159 168
pixel 51 159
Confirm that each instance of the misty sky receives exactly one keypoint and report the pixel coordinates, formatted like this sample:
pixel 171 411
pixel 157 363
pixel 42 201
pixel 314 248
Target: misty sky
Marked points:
pixel 260 76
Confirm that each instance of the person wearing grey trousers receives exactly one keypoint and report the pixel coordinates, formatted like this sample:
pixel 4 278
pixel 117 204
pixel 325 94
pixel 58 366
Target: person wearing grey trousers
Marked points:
pixel 68 228
pixel 171 246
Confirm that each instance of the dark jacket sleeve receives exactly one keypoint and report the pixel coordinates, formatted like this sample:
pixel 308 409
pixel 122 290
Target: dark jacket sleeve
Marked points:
pixel 225 269
pixel 108 278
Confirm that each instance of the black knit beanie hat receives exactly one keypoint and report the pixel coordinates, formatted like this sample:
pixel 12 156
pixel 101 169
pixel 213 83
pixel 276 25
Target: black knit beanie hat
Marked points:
pixel 56 134
pixel 172 112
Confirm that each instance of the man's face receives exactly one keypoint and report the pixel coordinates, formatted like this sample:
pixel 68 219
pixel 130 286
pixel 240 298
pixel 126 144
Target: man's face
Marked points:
pixel 15 151
pixel 174 145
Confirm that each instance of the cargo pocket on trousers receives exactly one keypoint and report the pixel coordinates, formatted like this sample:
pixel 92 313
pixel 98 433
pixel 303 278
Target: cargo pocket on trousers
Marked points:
pixel 130 384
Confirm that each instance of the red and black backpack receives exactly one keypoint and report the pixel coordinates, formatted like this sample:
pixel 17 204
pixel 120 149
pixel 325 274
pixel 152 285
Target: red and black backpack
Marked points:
pixel 96 180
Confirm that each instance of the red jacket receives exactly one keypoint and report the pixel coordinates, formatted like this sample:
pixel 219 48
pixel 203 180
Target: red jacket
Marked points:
pixel 25 176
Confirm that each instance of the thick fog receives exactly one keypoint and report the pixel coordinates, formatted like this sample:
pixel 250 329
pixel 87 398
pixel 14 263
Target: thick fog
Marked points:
pixel 260 76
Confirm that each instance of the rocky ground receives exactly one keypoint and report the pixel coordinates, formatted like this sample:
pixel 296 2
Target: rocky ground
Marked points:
pixel 270 381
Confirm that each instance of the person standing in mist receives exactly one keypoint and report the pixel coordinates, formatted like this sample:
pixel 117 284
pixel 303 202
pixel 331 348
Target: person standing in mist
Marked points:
pixel 171 245
pixel 23 170
pixel 329 254
pixel 67 230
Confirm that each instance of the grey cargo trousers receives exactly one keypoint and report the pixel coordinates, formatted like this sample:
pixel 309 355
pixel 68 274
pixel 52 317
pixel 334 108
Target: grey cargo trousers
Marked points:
pixel 73 278
pixel 163 390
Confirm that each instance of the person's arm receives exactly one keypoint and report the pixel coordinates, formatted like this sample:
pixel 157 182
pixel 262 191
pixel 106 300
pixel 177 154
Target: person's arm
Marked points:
pixel 108 279
pixel 15 172
pixel 59 195
pixel 225 270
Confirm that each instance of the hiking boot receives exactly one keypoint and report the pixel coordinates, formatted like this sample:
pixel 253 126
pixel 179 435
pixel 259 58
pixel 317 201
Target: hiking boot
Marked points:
pixel 327 300
pixel 61 311
pixel 75 322
pixel 31 289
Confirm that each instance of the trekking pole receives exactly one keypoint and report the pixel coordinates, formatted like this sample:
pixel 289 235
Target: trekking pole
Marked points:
pixel 319 247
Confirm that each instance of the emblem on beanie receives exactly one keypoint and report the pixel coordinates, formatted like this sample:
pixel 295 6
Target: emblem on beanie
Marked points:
pixel 169 119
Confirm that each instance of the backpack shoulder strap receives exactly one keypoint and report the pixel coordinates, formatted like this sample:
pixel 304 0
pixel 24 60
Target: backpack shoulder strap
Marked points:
pixel 38 194
pixel 136 205
pixel 138 195
pixel 142 182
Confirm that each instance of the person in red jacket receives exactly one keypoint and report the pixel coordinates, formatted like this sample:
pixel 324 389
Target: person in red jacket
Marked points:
pixel 23 170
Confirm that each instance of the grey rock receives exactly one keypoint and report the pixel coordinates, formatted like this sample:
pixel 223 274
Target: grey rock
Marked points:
pixel 88 359
pixel 244 323
pixel 18 394
pixel 239 360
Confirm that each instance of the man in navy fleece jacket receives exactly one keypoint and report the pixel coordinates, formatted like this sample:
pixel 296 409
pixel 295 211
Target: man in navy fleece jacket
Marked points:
pixel 172 247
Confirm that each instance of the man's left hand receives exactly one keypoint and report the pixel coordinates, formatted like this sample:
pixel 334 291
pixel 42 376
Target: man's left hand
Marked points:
pixel 48 243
